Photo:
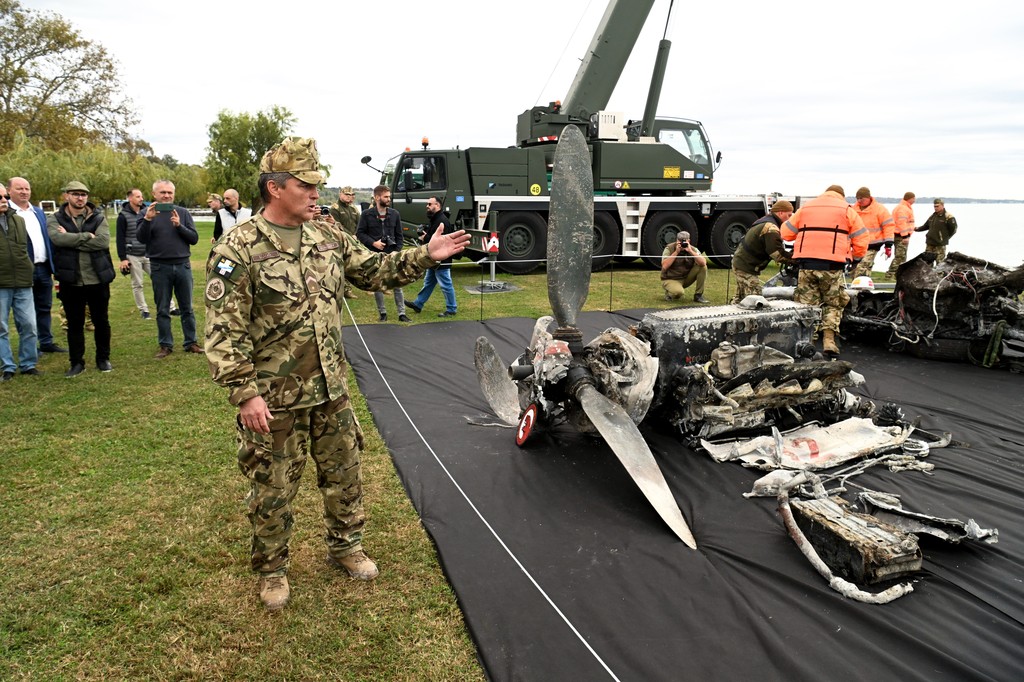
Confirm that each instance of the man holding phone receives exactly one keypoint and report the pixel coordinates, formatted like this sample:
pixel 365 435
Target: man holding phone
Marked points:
pixel 169 233
pixel 683 266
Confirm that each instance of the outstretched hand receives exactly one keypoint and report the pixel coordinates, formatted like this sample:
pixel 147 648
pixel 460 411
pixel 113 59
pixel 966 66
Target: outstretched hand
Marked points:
pixel 443 246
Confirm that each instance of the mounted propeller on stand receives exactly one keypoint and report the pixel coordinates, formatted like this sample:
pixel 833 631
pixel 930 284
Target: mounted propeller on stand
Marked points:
pixel 560 379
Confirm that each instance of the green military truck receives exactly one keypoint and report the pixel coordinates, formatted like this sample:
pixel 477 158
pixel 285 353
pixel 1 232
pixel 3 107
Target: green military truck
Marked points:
pixel 652 176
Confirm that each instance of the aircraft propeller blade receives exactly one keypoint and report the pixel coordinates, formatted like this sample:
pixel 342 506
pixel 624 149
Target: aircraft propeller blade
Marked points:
pixel 626 441
pixel 570 227
pixel 497 387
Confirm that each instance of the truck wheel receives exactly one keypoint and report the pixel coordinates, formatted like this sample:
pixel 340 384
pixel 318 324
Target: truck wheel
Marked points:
pixel 726 234
pixel 660 231
pixel 606 240
pixel 523 242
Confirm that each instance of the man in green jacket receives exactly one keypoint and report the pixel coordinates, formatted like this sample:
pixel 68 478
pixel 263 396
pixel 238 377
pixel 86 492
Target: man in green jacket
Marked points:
pixel 16 293
pixel 941 227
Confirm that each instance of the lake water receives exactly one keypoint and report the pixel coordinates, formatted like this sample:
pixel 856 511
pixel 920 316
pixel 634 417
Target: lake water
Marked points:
pixel 994 232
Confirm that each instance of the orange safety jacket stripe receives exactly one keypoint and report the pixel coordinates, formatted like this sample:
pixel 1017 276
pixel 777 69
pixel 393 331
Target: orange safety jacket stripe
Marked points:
pixel 826 228
pixel 903 219
pixel 878 221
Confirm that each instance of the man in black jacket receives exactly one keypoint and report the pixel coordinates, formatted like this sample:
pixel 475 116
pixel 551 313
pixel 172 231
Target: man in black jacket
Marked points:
pixel 380 229
pixel 169 232
pixel 442 273
pixel 81 253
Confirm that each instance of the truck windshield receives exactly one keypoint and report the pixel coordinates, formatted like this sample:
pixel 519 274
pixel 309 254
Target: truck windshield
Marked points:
pixel 422 172
pixel 687 141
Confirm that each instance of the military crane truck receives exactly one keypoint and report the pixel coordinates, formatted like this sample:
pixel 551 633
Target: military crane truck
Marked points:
pixel 652 176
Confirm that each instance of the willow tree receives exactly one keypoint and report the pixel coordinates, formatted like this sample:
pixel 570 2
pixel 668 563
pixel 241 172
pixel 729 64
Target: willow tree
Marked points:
pixel 56 86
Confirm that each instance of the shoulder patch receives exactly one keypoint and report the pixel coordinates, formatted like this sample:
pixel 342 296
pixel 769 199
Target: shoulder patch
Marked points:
pixel 215 289
pixel 225 267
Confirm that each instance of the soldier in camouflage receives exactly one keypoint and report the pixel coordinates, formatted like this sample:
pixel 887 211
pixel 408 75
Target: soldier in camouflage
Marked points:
pixel 761 244
pixel 346 213
pixel 273 339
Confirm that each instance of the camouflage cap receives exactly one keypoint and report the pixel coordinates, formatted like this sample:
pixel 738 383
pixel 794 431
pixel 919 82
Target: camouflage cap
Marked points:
pixel 295 155
pixel 75 186
pixel 213 196
pixel 347 189
pixel 938 201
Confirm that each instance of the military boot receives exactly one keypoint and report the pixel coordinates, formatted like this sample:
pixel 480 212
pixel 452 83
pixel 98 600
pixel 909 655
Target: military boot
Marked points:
pixel 357 565
pixel 828 343
pixel 274 592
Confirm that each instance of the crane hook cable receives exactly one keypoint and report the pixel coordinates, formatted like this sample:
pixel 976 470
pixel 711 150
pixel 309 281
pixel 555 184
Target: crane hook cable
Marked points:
pixel 472 506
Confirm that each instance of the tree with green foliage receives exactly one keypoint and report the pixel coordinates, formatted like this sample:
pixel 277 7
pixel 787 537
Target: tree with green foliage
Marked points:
pixel 238 142
pixel 108 173
pixel 55 85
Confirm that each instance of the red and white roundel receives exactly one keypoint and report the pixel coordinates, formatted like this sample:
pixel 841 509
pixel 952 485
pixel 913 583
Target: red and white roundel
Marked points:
pixel 526 424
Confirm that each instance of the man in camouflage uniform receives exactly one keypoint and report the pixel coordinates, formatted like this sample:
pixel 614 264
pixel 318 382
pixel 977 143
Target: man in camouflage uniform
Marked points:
pixel 683 266
pixel 346 214
pixel 761 244
pixel 273 339
pixel 941 226
pixel 826 233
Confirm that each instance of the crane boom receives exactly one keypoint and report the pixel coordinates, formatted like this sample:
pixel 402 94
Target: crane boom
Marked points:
pixel 606 57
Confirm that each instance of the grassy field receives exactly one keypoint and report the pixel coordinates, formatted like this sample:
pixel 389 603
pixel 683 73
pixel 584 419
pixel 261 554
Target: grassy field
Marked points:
pixel 126 552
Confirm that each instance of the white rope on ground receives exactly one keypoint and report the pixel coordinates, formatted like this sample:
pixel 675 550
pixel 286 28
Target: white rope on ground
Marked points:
pixel 472 506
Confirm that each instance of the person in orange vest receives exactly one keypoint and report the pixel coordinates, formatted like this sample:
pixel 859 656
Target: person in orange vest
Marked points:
pixel 825 232
pixel 879 224
pixel 903 227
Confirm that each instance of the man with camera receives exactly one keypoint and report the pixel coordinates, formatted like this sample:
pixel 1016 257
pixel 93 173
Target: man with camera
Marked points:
pixel 380 230
pixel 683 266
pixel 169 233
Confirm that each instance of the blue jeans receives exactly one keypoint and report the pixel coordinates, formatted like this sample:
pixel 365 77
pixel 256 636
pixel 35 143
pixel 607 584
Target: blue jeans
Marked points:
pixel 173 278
pixel 20 300
pixel 435 276
pixel 42 293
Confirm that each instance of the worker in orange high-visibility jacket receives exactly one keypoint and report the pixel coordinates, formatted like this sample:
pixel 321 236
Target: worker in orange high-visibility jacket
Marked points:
pixel 903 227
pixel 879 224
pixel 826 232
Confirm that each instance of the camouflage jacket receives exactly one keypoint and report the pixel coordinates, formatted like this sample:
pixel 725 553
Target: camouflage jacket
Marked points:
pixel 347 215
pixel 273 318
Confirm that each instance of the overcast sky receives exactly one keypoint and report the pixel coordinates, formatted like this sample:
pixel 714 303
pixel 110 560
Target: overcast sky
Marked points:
pixel 797 95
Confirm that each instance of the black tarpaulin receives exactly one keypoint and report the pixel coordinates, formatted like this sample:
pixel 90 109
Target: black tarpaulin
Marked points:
pixel 563 571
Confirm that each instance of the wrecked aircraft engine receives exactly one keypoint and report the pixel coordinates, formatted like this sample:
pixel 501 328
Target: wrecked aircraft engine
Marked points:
pixel 744 369
pixel 964 309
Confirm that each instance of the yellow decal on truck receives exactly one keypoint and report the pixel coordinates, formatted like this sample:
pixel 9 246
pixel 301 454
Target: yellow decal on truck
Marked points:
pixel 535 189
pixel 670 173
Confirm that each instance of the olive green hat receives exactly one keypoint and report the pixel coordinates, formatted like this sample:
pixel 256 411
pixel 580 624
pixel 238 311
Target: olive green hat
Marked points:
pixel 76 186
pixel 781 205
pixel 838 189
pixel 863 193
pixel 295 155
pixel 938 201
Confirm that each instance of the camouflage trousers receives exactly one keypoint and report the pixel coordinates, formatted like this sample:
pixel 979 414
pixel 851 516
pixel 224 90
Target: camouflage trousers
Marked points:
pixel 900 245
pixel 746 285
pixel 939 251
pixel 823 288
pixel 274 462
pixel 866 263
